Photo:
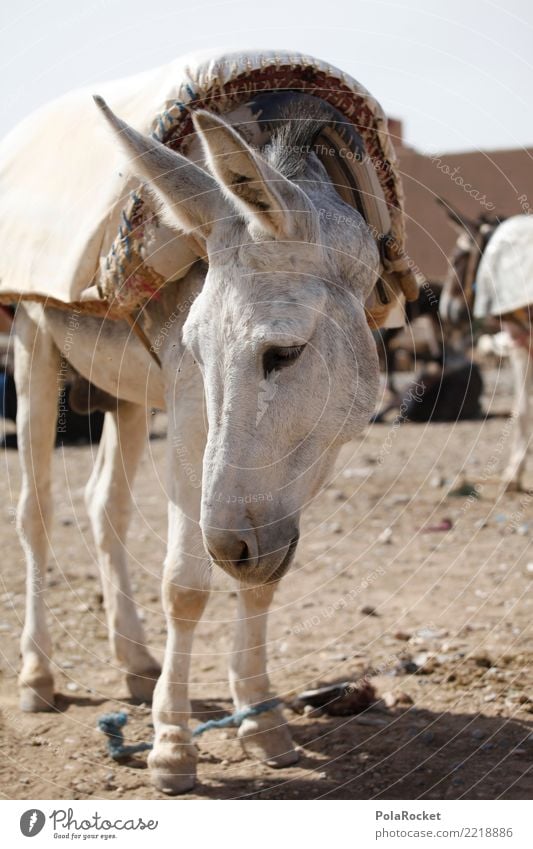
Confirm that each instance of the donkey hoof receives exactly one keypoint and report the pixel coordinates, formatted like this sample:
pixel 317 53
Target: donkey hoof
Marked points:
pixel 170 775
pixel 173 783
pixel 141 684
pixel 172 761
pixel 37 698
pixel 267 739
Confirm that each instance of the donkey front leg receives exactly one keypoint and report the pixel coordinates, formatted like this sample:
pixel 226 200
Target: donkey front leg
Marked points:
pixel 522 374
pixel 266 736
pixel 37 365
pixel 185 592
pixel 109 499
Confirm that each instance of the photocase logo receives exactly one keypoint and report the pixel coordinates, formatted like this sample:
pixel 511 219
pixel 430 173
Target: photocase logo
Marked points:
pixel 32 822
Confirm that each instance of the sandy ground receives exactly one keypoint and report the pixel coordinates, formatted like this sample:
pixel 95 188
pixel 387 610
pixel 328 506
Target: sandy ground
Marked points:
pixel 440 620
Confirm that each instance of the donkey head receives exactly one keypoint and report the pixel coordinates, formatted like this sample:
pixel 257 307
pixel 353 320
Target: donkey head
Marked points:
pixel 457 301
pixel 279 329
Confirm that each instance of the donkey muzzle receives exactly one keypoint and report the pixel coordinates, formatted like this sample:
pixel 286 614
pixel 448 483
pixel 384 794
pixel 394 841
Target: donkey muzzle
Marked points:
pixel 253 555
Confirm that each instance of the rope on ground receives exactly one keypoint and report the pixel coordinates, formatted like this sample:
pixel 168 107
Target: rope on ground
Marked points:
pixel 111 724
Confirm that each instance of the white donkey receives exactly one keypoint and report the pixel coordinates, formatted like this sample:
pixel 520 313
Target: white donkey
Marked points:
pixel 491 274
pixel 281 301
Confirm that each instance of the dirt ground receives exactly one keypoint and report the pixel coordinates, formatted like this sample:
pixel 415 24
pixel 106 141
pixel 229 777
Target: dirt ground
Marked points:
pixel 440 620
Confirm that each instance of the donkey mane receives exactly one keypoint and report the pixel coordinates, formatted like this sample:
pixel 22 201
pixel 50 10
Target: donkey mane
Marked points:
pixel 294 136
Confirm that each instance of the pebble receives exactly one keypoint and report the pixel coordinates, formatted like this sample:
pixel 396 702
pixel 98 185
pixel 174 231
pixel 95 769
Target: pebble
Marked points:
pixel 432 633
pixel 452 645
pixel 72 687
pixel 309 710
pixel 390 699
pixel 481 659
pixel 385 537
pixel 374 721
pixel 400 499
pixel 405 666
pixel 397 699
pixel 529 568
pixel 425 663
pixel 368 610
pixel 465 490
pixel 361 472
pixel 24 781
pixel 404 636
pixel 478 733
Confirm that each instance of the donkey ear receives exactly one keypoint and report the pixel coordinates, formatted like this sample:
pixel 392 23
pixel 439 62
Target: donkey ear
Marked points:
pixel 459 222
pixel 190 198
pixel 258 190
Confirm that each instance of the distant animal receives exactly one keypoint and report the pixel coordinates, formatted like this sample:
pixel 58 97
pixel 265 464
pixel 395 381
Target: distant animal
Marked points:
pixel 473 235
pixel 427 304
pixel 491 275
pixel 449 394
pixel 451 390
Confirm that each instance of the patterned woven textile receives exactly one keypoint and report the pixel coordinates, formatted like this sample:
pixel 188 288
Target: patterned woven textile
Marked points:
pixel 76 227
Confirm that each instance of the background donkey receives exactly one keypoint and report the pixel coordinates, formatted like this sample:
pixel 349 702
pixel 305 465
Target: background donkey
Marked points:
pixel 490 275
pixel 277 314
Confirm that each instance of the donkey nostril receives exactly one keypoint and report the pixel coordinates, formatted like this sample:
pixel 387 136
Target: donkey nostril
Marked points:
pixel 230 548
pixel 244 556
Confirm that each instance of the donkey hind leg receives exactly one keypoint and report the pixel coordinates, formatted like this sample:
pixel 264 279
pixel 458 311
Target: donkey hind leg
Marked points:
pixel 37 364
pixel 523 374
pixel 109 501
pixel 266 736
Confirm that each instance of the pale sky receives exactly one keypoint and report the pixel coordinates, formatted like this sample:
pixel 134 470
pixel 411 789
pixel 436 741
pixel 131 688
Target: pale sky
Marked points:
pixel 458 73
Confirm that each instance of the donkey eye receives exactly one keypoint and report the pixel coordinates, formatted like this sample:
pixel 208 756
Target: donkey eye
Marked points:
pixel 277 358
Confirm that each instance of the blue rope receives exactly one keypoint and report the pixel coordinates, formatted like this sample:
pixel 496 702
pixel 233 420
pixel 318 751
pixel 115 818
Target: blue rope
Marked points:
pixel 111 724
pixel 235 719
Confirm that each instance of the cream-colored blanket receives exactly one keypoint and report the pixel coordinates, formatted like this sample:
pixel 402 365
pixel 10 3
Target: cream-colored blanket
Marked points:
pixel 67 200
